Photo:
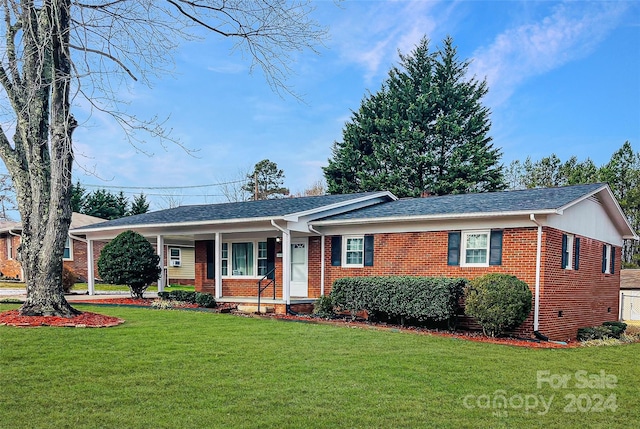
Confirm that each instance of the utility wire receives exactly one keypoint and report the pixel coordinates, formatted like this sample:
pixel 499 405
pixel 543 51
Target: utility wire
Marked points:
pixel 163 187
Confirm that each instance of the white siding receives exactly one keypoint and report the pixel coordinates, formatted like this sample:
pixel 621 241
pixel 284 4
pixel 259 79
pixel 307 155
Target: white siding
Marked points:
pixel 589 219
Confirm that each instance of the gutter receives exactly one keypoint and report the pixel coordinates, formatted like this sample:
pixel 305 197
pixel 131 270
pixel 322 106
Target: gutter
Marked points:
pixel 322 266
pixel 536 311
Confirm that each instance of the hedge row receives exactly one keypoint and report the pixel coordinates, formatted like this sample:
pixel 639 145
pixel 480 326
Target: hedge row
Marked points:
pixel 202 299
pixel 420 298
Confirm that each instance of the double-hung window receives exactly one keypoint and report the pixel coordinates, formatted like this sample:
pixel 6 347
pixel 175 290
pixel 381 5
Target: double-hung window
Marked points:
pixel 353 252
pixel 244 258
pixel 475 248
pixel 608 259
pixel 68 254
pixel 567 251
pixel 479 248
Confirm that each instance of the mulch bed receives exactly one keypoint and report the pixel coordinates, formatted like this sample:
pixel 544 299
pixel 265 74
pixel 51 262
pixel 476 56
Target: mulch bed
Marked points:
pixel 461 335
pixel 83 320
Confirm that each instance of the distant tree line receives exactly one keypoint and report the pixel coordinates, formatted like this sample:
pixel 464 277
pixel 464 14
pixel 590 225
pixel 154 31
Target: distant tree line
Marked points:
pixel 105 204
pixel 622 173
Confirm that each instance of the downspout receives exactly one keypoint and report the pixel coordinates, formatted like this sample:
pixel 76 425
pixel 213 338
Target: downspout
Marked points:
pixel 322 266
pixel 536 311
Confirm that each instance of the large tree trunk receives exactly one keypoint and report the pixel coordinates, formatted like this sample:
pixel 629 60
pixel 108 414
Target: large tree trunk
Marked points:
pixel 41 158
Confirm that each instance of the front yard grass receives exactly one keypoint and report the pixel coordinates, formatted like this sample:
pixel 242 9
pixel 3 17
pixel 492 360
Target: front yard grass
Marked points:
pixel 165 369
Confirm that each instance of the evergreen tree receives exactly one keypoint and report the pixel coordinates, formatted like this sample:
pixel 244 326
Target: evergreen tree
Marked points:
pixel 102 203
pixel 269 181
pixel 425 130
pixel 139 205
pixel 78 195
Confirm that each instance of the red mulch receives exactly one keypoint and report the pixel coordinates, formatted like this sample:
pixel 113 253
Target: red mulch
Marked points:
pixel 83 320
pixel 461 335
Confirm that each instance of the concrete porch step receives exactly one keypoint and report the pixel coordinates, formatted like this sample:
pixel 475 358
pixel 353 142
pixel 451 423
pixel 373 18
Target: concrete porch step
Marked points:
pixel 247 308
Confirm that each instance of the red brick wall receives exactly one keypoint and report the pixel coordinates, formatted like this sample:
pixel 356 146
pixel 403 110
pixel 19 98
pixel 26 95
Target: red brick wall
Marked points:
pixel 586 297
pixel 9 267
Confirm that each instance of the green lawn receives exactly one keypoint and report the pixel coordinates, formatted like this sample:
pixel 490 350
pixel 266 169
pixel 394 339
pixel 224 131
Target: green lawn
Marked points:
pixel 181 369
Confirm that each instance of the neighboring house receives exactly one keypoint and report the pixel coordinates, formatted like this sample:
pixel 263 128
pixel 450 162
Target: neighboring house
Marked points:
pixel 563 242
pixel 75 251
pixel 630 294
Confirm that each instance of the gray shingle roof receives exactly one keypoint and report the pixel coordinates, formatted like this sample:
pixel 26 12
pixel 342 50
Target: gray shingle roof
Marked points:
pixel 507 201
pixel 239 210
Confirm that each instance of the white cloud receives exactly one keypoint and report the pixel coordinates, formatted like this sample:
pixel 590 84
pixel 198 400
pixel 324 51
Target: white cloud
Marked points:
pixel 571 32
pixel 373 39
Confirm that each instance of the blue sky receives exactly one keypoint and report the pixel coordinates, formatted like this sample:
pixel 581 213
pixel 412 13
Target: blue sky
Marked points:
pixel 564 78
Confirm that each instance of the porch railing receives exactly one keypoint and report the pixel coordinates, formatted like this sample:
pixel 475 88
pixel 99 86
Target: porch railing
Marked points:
pixel 261 288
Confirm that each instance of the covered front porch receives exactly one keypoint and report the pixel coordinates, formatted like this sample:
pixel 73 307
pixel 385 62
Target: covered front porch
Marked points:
pixel 264 263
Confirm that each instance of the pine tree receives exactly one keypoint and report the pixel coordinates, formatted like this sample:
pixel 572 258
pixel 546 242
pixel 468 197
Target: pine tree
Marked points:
pixel 425 130
pixel 139 205
pixel 78 195
pixel 269 181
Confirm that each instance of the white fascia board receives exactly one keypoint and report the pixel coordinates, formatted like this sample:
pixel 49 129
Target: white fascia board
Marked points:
pixel 334 208
pixel 434 217
pixel 170 225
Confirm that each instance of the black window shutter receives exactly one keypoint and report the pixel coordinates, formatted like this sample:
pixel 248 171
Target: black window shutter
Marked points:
pixel 604 258
pixel 271 257
pixel 453 253
pixel 613 259
pixel 336 250
pixel 576 254
pixel 495 248
pixel 565 254
pixel 368 250
pixel 211 266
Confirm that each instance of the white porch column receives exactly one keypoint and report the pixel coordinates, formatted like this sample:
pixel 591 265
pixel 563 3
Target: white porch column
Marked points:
pixel 91 282
pixel 286 266
pixel 217 261
pixel 322 267
pixel 160 249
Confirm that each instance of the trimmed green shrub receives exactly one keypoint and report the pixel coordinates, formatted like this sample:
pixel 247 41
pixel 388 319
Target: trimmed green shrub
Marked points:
pixel 606 330
pixel 131 260
pixel 205 300
pixel 323 307
pixel 202 299
pixel 419 298
pixel 69 278
pixel 499 302
pixel 617 328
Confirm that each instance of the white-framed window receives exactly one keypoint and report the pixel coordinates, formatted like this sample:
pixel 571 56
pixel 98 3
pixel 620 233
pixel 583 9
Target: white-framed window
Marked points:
pixel 475 248
pixel 244 258
pixel 225 259
pixel 175 257
pixel 68 250
pixel 262 258
pixel 9 246
pixel 567 251
pixel 353 251
pixel 606 263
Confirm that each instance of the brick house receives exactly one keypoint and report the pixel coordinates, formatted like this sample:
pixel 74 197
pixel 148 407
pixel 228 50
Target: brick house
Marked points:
pixel 563 242
pixel 75 251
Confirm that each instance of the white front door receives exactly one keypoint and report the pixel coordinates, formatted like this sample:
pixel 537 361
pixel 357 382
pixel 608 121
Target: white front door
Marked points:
pixel 299 267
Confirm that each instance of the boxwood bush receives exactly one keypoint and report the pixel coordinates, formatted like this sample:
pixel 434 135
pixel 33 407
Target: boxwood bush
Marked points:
pixel 419 298
pixel 498 302
pixel 202 299
pixel 606 330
